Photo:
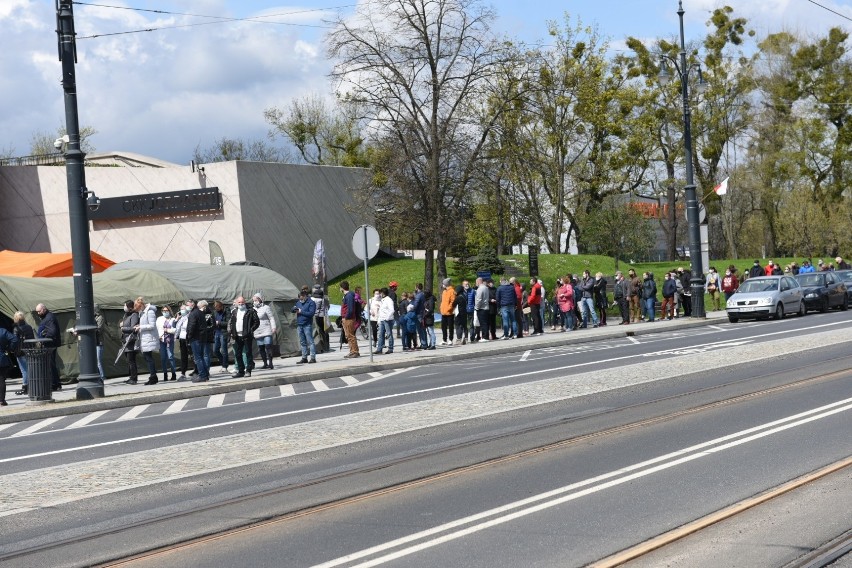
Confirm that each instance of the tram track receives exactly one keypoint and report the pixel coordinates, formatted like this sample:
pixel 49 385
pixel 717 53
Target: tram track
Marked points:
pixel 431 478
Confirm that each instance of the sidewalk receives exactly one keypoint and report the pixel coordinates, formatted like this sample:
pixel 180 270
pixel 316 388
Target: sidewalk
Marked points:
pixel 329 365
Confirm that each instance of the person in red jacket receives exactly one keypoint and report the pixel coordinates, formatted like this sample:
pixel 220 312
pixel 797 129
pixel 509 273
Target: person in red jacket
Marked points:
pixel 729 284
pixel 534 301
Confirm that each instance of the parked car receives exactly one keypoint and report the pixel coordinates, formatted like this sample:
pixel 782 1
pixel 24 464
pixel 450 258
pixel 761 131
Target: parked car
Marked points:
pixel 764 296
pixel 846 277
pixel 823 290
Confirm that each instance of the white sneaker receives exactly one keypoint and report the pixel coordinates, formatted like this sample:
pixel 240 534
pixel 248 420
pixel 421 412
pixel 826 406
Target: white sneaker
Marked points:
pixel 223 370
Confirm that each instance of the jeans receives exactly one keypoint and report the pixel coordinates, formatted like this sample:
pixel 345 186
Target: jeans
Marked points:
pixel 167 356
pixel 99 351
pixel 201 354
pixel 648 304
pixel 385 330
pixel 149 360
pixel 220 347
pixel 587 306
pixel 568 319
pixel 306 340
pixel 22 365
pixel 510 326
pixel 430 335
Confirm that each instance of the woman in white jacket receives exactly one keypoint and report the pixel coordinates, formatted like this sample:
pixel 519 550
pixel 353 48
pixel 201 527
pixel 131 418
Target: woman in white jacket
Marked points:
pixel 265 331
pixel 148 340
pixel 166 335
pixel 180 334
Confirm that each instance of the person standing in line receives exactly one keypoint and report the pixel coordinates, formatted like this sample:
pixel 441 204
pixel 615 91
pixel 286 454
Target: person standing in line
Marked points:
pixel 375 302
pixel 221 317
pixel 669 290
pixel 481 302
pixel 621 295
pixel 565 303
pixel 265 332
pixel 8 343
pixel 319 298
pixel 22 332
pixel 386 321
pixel 685 276
pixel 166 333
pixel 448 298
pixel 305 308
pixel 100 325
pixel 130 339
pixel 587 302
pixel 418 303
pixel 600 296
pixel 507 301
pixel 534 301
pixel 429 319
pixel 714 284
pixel 392 286
pixel 729 284
pixel 244 322
pixel 460 312
pixel 493 309
pixel 649 295
pixel 49 329
pixel 472 319
pixel 180 334
pixel 349 312
pixel 196 336
pixel 148 341
pixel 519 310
pixel 635 295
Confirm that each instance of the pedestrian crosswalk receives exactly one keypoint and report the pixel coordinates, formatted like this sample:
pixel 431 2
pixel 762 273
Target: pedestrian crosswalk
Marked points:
pixel 18 429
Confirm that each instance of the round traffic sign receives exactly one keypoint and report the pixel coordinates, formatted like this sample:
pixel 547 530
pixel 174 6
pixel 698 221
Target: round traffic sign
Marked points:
pixel 365 242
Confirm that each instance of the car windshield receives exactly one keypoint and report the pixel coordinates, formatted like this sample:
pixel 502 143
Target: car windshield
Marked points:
pixel 811 279
pixel 845 275
pixel 759 285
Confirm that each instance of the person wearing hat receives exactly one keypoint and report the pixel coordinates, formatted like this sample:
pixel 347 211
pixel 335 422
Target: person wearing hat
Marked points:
pixel 448 298
pixel 821 266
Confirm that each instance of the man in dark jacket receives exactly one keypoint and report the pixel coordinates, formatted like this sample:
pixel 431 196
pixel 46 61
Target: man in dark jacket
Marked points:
pixel 507 300
pixel 649 295
pixel 669 290
pixel 196 336
pixel 621 294
pixel 305 309
pixel 586 299
pixel 49 329
pixel 243 322
pixel 8 342
pixel 350 310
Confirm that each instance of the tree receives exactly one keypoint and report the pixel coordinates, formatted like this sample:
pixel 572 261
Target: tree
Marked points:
pixel 421 71
pixel 323 136
pixel 42 143
pixel 226 149
pixel 616 229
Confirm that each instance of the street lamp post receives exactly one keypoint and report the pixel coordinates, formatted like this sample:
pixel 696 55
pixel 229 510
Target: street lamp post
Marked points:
pixel 80 200
pixel 696 264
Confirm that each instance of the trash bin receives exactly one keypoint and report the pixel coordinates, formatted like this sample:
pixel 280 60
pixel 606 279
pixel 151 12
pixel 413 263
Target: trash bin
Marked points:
pixel 39 355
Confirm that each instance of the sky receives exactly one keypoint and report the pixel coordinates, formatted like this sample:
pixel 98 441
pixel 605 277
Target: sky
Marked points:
pixel 163 93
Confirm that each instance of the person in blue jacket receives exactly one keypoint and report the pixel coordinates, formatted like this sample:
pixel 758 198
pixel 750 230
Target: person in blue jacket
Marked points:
pixel 408 322
pixel 305 309
pixel 8 343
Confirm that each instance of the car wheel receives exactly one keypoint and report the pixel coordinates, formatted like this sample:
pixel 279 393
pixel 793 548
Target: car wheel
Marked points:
pixel 802 309
pixel 823 307
pixel 733 319
pixel 779 311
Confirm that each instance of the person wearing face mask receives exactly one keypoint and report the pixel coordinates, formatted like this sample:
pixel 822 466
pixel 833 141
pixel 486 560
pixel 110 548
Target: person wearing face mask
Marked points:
pixel 244 322
pixel 180 334
pixel 375 303
pixel 148 342
pixel 220 334
pixel 264 333
pixel 305 308
pixel 129 327
pixel 713 285
pixel 166 333
pixel 729 284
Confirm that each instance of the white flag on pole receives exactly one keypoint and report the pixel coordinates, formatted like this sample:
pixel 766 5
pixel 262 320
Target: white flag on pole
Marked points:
pixel 722 188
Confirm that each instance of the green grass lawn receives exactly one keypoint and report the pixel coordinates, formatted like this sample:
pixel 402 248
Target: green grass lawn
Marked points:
pixel 408 272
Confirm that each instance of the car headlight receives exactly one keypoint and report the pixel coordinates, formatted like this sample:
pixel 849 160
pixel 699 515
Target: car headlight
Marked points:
pixel 731 303
pixel 812 295
pixel 767 301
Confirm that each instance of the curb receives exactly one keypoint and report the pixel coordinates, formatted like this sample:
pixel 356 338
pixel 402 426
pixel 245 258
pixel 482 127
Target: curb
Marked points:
pixel 71 407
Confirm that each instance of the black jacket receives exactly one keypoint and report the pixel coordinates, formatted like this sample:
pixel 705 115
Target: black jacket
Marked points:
pixel 250 323
pixel 649 289
pixel 196 327
pixel 669 288
pixel 49 328
pixel 130 321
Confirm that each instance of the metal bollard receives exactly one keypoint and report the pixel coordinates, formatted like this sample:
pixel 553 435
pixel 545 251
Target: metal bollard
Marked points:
pixel 39 355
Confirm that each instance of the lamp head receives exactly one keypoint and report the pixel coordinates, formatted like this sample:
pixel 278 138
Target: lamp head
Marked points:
pixel 664 77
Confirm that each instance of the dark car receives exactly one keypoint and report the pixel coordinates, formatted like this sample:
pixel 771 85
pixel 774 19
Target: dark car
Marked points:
pixel 846 277
pixel 823 290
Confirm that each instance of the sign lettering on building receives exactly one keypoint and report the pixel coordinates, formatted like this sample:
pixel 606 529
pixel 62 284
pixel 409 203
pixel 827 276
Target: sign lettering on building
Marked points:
pixel 169 204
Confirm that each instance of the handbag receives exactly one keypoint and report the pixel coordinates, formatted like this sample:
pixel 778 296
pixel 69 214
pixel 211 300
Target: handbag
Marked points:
pixel 527 310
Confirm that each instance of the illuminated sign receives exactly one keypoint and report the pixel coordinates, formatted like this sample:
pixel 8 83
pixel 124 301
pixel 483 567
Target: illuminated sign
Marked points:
pixel 169 204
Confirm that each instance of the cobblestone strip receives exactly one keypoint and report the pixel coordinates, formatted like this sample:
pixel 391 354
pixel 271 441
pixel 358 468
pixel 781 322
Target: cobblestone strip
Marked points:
pixel 82 480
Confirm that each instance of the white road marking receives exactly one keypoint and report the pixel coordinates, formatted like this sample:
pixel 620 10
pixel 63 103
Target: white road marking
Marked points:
pixel 87 419
pixel 4 426
pixel 424 375
pixel 549 499
pixel 252 395
pixel 526 354
pixel 716 327
pixel 391 374
pixel 376 374
pixel 632 339
pixel 287 390
pixel 319 385
pixel 176 406
pixel 37 426
pixel 133 412
pixel 216 400
pixel 349 380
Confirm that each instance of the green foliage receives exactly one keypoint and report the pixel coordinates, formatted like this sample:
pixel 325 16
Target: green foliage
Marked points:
pixel 487 260
pixel 615 229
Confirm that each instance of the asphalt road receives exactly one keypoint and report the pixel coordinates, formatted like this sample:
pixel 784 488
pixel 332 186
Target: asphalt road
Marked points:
pixel 85 489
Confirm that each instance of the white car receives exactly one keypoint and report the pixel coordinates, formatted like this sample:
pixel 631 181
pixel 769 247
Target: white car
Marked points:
pixel 764 296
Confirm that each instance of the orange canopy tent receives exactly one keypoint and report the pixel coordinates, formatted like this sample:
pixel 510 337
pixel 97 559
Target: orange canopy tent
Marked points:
pixel 45 264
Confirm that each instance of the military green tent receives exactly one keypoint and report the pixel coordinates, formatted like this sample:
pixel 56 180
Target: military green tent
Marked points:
pixel 160 283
